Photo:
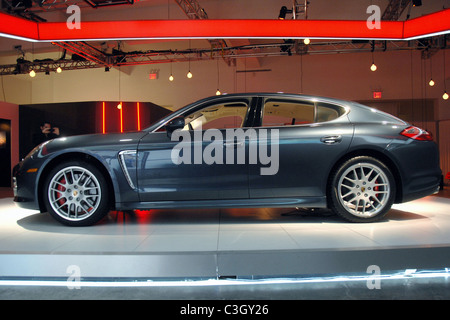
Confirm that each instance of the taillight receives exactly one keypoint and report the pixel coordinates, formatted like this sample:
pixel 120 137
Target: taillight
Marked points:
pixel 417 134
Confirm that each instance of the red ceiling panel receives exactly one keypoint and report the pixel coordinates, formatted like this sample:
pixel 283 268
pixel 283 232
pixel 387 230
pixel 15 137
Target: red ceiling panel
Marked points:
pixel 178 29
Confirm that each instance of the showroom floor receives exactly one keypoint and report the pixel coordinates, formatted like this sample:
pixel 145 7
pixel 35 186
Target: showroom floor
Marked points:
pixel 227 254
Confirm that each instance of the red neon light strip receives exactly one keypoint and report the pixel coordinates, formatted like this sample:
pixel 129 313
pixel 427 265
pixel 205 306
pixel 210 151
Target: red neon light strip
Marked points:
pixel 121 117
pixel 138 117
pixel 103 118
pixel 438 22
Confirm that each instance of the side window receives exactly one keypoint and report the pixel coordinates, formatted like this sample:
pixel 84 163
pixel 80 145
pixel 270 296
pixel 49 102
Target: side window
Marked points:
pixel 285 113
pixel 220 116
pixel 328 112
pixel 288 113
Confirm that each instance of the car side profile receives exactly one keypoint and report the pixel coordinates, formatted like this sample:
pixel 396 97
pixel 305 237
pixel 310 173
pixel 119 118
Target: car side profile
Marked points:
pixel 237 150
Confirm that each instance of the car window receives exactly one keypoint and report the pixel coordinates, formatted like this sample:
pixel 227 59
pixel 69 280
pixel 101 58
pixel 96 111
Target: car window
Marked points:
pixel 219 116
pixel 328 112
pixel 287 113
pixel 284 113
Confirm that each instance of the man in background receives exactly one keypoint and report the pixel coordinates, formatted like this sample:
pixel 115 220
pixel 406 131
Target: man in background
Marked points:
pixel 46 133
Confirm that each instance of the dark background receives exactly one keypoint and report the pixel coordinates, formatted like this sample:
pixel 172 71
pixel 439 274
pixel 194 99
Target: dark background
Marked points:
pixel 83 118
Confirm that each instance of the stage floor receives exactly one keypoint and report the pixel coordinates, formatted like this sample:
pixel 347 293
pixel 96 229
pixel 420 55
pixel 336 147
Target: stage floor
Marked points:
pixel 223 244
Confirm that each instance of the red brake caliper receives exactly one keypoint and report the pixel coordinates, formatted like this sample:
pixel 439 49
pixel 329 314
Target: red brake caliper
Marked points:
pixel 61 188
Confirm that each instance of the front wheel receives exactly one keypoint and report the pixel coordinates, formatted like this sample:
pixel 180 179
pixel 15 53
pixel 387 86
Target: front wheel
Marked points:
pixel 76 194
pixel 362 189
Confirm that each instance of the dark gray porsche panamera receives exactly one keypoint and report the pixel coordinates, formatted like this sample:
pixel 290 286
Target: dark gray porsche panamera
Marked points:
pixel 239 150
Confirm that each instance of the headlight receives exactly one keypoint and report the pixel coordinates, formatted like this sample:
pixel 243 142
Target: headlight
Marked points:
pixel 40 148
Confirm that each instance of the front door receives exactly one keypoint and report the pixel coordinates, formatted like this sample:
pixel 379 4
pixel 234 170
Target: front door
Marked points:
pixel 198 162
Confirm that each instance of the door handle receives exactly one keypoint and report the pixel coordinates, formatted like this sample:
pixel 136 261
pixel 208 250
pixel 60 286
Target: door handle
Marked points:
pixel 331 139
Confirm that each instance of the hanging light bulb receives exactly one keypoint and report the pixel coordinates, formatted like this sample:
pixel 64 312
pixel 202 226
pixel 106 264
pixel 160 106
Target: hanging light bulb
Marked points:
pixel 59 70
pixel 32 73
pixel 306 41
pixel 218 93
pixel 119 106
pixel 189 74
pixel 171 78
pixel 431 83
pixel 373 67
pixel 445 96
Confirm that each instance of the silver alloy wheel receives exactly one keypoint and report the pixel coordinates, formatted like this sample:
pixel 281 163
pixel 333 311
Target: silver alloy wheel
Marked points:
pixel 364 189
pixel 74 193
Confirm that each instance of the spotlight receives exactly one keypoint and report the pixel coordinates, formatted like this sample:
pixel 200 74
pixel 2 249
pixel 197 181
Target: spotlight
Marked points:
pixel 417 3
pixel 283 11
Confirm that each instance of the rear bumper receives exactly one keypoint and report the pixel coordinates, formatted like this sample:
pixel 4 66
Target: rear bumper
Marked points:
pixel 419 169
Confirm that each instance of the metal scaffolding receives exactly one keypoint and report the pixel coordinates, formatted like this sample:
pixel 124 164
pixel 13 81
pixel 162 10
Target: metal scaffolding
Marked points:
pixel 86 56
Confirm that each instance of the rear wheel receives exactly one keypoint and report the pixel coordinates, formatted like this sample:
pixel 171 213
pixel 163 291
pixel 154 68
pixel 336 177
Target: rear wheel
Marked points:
pixel 362 190
pixel 76 194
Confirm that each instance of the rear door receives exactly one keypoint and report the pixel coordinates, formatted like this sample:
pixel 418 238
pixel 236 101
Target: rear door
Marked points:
pixel 302 140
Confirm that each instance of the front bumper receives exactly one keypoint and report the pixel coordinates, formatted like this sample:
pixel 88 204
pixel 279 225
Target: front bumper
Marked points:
pixel 25 180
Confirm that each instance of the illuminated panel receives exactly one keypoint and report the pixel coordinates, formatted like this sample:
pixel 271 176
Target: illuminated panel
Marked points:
pixel 18 28
pixel 138 107
pixel 431 24
pixel 103 118
pixel 121 117
pixel 434 23
pixel 178 29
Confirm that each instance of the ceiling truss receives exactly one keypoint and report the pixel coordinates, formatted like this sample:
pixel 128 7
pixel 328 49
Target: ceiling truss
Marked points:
pixel 85 56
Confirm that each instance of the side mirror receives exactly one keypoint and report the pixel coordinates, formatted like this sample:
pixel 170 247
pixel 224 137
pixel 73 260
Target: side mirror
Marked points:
pixel 174 124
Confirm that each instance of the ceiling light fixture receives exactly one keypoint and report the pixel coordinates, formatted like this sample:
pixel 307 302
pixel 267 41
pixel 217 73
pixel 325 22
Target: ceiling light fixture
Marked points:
pixel 283 11
pixel 306 41
pixel 59 70
pixel 445 95
pixel 431 82
pixel 171 74
pixel 373 67
pixel 32 73
pixel 189 74
pixel 218 93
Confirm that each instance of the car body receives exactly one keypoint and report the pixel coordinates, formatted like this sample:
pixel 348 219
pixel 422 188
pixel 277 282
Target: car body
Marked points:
pixel 316 152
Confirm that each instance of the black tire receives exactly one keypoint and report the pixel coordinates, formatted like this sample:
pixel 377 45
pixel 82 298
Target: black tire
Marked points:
pixel 76 194
pixel 362 189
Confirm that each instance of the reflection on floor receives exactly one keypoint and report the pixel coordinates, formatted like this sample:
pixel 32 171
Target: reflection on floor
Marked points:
pixel 226 244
